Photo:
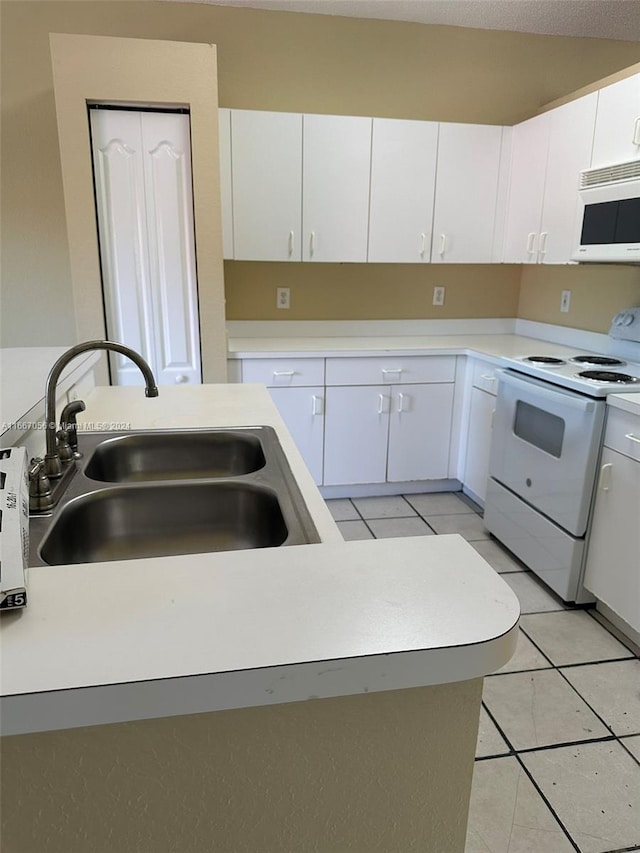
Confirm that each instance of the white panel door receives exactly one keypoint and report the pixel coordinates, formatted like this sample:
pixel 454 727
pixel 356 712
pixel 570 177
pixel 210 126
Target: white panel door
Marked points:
pixel 476 469
pixel 302 410
pixel 570 142
pixel 226 196
pixel 267 185
pixel 403 172
pixel 617 134
pixel 530 144
pixel 612 572
pixel 356 434
pixel 420 432
pixel 142 166
pixel 335 200
pixel 466 193
pixel 172 257
pixel 121 209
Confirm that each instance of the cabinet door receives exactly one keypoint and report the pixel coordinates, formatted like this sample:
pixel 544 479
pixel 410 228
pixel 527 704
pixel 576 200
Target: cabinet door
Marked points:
pixel 613 557
pixel 617 133
pixel 356 433
pixel 476 469
pixel 530 144
pixel 226 193
pixel 466 193
pixel 335 203
pixel 420 432
pixel 403 172
pixel 302 410
pixel 570 141
pixel 267 185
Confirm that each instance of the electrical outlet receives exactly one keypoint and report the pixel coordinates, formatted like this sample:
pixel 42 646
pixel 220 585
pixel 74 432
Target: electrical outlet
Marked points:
pixel 438 295
pixel 283 297
pixel 565 301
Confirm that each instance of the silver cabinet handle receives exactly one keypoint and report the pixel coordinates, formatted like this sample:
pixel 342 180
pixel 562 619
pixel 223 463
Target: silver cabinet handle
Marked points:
pixel 542 248
pixel 393 371
pixel 488 377
pixel 605 477
pixel 443 244
pixel 401 397
pixel 317 405
pixel 383 404
pixel 633 437
pixel 636 131
pixel 181 379
pixel 291 242
pixel 423 243
pixel 312 243
pixel 531 242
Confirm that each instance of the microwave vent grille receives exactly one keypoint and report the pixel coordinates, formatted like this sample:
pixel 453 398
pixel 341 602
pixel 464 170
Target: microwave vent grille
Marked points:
pixel 610 174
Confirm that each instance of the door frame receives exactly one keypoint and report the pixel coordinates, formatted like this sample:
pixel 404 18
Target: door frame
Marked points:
pixel 145 73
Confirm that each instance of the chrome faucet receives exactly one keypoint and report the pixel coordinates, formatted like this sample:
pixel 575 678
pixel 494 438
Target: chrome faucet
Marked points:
pixel 52 462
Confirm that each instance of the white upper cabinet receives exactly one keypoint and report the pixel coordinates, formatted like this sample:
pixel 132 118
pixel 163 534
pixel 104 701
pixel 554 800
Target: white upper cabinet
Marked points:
pixel 403 174
pixel 466 193
pixel 226 202
pixel 267 185
pixel 335 203
pixel 530 144
pixel 617 133
pixel 548 153
pixel 570 142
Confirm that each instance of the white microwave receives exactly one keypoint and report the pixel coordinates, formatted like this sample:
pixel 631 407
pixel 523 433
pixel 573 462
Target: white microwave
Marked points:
pixel 609 224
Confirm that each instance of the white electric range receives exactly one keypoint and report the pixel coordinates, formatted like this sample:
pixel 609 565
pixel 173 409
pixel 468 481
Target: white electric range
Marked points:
pixel 546 445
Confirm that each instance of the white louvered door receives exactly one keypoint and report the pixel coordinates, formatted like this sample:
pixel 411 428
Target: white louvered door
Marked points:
pixel 142 170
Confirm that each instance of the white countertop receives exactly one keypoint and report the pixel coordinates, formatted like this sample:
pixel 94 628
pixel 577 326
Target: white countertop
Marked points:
pixel 627 402
pixel 128 640
pixel 489 346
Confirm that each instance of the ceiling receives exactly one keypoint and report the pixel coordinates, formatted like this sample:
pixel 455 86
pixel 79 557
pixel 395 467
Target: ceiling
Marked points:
pixel 609 19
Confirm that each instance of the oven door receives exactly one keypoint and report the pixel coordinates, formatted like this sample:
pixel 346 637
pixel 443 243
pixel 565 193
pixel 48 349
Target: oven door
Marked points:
pixel 545 447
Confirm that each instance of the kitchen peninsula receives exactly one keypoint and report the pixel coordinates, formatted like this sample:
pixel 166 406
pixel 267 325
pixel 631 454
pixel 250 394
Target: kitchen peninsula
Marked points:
pixel 315 697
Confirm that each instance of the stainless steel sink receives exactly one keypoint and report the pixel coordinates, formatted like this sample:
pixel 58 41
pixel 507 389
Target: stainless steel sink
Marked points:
pixel 156 521
pixel 165 493
pixel 173 456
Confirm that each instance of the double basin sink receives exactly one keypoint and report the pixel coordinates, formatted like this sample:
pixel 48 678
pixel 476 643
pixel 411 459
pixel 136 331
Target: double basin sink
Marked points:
pixel 152 494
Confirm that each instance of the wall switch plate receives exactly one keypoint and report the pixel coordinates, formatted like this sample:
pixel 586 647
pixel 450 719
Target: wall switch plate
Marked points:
pixel 565 301
pixel 283 297
pixel 438 295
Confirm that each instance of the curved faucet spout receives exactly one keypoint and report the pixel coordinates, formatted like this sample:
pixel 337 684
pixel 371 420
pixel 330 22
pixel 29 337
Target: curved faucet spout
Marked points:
pixel 53 466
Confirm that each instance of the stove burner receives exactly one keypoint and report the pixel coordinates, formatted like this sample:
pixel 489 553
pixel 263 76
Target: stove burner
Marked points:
pixel 544 359
pixel 600 360
pixel 608 376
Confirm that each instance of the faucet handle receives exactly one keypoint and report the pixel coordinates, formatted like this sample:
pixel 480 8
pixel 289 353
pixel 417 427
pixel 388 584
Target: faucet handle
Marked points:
pixel 39 486
pixel 68 423
pixel 65 453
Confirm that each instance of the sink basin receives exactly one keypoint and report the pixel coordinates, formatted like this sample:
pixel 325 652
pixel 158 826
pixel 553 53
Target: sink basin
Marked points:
pixel 170 492
pixel 142 457
pixel 142 521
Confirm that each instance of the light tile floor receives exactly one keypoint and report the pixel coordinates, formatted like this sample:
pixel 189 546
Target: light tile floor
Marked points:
pixel 558 755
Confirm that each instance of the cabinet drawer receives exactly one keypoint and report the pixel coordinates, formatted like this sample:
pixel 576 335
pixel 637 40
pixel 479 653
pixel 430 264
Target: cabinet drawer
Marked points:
pixel 623 433
pixel 485 377
pixel 283 372
pixel 390 370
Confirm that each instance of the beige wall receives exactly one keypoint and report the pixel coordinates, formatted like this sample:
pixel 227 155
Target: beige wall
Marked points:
pixel 388 772
pixel 266 60
pixel 140 71
pixel 598 291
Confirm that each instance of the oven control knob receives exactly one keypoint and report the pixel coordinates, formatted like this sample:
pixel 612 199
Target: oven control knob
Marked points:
pixel 528 482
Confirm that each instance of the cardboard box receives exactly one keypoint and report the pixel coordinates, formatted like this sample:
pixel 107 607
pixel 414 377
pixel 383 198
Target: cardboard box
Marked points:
pixel 14 527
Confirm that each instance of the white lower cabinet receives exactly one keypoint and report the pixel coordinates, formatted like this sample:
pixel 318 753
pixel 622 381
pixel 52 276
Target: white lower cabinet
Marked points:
pixel 381 433
pixel 356 435
pixel 612 572
pixel 302 410
pixel 481 411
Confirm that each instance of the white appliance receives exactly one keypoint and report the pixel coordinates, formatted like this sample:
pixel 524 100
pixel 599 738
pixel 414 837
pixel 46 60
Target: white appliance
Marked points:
pixel 610 225
pixel 547 437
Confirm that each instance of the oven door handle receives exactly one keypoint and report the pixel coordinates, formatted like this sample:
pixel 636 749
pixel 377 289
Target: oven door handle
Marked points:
pixel 538 389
